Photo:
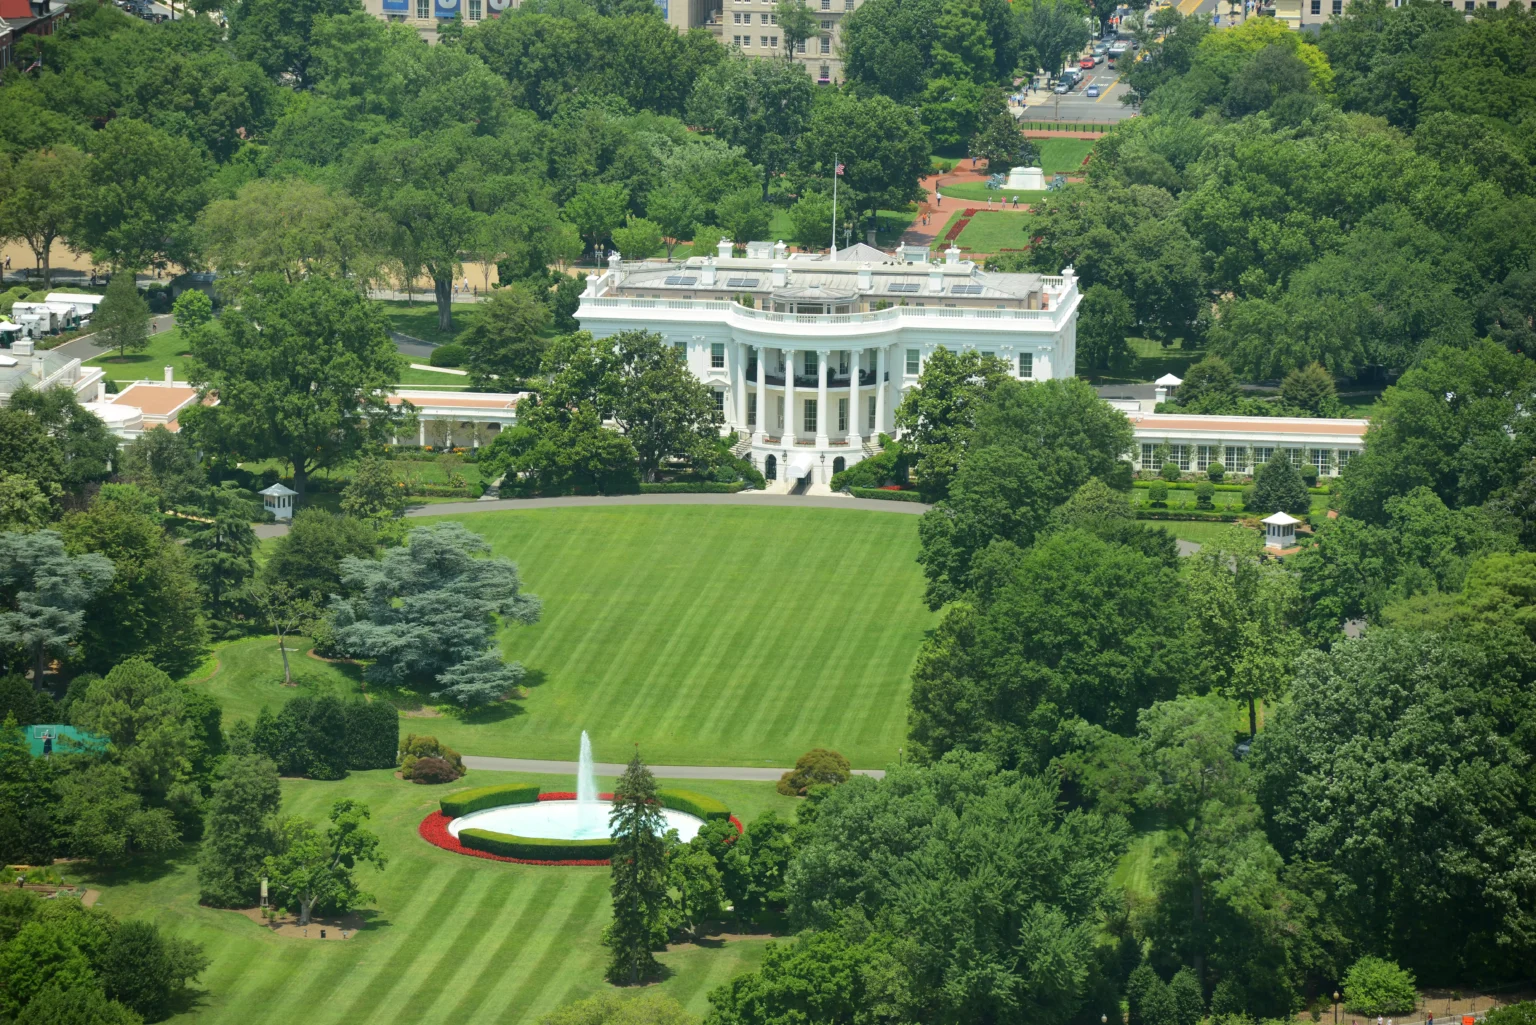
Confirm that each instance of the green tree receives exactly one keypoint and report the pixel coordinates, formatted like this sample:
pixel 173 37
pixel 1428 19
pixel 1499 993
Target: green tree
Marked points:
pixel 83 1003
pixel 1209 386
pixel 313 872
pixel 937 416
pixel 146 971
pixel 192 309
pixel 639 885
pixel 39 205
pixel 743 215
pixel 1002 145
pixel 101 817
pixel 44 594
pixel 34 959
pixel 881 144
pixel 308 558
pixel 143 713
pixel 1278 485
pixel 796 22
pixel 654 398
pixel 638 239
pixel 122 319
pixel 1105 317
pixel 374 492
pixel 504 337
pixel 1052 30
pixel 238 832
pixel 140 189
pixel 694 878
pixel 223 546
pixel 24 505
pixel 163 464
pixel 83 447
pixel 427 613
pixel 277 34
pixel 647 1007
pixel 675 212
pixel 1376 986
pixel 762 107
pixel 302 373
pixel 812 218
pixel 818 767
pixel 596 210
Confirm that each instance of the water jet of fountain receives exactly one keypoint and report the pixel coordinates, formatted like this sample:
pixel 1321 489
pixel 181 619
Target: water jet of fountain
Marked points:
pixel 589 814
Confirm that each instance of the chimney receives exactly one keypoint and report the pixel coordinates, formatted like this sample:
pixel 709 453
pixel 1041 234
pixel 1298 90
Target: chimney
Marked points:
pixel 724 248
pixel 866 277
pixel 952 256
pixel 780 275
pixel 591 285
pixel 935 281
pixel 709 272
pixel 21 347
pixel 780 250
pixel 170 375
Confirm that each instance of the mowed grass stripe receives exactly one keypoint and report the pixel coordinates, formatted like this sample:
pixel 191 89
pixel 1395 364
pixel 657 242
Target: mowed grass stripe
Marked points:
pixel 583 905
pixel 437 975
pixel 538 889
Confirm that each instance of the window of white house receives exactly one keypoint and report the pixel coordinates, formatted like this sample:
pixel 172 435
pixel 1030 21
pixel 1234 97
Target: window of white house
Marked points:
pixel 810 416
pixel 871 414
pixel 682 349
pixel 1235 458
pixel 1297 456
pixel 1026 364
pixel 423 8
pixel 1322 459
pixel 751 410
pixel 719 402
pixel 765 42
pixel 842 416
pixel 1345 455
pixel 912 362
pixel 1261 455
pixel 842 361
pixel 826 24
pixel 1148 456
pixel 826 43
pixel 736 19
pixel 810 364
pixel 474 10
pixel 1179 454
pixel 800 46
pixel 717 354
pixel 826 70
pixel 1205 455
pixel 773 19
pixel 773 41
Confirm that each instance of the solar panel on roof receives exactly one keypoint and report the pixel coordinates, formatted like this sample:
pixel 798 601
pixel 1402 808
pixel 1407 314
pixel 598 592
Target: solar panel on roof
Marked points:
pixel 678 279
pixel 965 289
pixel 741 282
pixel 904 286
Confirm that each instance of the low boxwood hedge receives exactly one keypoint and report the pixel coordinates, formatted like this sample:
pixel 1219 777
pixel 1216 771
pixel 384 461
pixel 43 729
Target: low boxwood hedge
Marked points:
pixel 703 487
pixel 885 496
pixel 535 849
pixel 705 807
pixel 1189 513
pixel 465 801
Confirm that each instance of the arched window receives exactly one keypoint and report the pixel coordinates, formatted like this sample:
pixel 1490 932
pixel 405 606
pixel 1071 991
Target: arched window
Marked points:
pixel 839 464
pixel 771 468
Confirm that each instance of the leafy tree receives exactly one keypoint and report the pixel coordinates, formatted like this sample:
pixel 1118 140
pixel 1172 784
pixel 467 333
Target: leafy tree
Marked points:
pixel 38 207
pixel 1074 627
pixel 151 607
pixel 44 593
pixel 302 373
pixel 312 871
pixel 145 971
pixel 101 817
pixel 83 1003
pixel 222 547
pixel 638 239
pixel 694 877
pixel 24 505
pixel 308 558
pixel 762 107
pixel 675 212
pixel 34 959
pixel 1150 1002
pixel 937 415
pixel 639 885
pixel 145 716
pixel 1105 317
pixel 1375 986
pixel 374 492
pixel 307 737
pixel 28 800
pixel 564 454
pixel 821 975
pixel 294 228
pixel 1507 313
pixel 81 449
pixel 647 1007
pixel 427 612
pixel 1278 485
pixel 818 767
pixel 881 144
pixel 796 22
pixel 1209 386
pixel 812 218
pixel 279 35
pixel 596 210
pixel 503 339
pixel 1311 388
pixel 285 610
pixel 743 215
pixel 656 401
pixel 1002 145
pixel 163 464
pixel 192 309
pixel 140 189
pixel 1052 31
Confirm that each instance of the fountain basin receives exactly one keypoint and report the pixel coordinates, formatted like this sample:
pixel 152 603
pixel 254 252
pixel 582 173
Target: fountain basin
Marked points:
pixel 563 820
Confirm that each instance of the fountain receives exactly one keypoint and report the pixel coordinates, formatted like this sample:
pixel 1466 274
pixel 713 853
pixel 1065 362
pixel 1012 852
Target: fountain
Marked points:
pixel 585 818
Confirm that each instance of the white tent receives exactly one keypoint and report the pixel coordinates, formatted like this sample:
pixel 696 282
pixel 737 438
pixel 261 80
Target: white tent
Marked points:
pixel 799 466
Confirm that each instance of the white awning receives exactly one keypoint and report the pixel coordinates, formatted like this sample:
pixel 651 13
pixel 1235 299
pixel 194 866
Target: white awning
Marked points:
pixel 799 466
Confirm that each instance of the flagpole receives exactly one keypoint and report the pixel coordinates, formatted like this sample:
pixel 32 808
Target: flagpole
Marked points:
pixel 834 207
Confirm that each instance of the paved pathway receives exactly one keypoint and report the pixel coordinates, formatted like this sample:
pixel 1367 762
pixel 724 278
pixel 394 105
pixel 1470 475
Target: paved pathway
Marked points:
pixel 85 348
pixel 739 772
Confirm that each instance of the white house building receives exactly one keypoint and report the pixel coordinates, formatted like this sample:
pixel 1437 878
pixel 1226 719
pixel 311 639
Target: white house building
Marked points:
pixel 808 355
pixel 1243 443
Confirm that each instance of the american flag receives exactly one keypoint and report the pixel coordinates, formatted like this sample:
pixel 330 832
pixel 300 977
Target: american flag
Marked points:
pixel 39 63
pixel 839 170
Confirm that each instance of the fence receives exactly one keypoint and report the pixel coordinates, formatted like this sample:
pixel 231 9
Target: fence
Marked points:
pixel 1067 126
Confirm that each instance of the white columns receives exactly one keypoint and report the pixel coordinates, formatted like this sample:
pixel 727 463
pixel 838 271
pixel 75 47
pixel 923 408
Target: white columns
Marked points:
pixel 881 363
pixel 739 387
pixel 788 432
pixel 853 399
pixel 421 433
pixel 821 399
pixel 762 395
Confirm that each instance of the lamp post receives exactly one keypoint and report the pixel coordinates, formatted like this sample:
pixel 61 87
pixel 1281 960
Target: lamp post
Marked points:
pixel 1335 1007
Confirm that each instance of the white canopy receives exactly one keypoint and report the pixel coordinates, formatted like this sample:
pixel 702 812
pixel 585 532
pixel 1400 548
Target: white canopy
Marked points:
pixel 1281 519
pixel 1169 381
pixel 277 490
pixel 799 466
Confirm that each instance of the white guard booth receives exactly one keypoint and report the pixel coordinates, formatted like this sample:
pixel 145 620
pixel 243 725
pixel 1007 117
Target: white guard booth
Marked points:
pixel 278 501
pixel 1280 531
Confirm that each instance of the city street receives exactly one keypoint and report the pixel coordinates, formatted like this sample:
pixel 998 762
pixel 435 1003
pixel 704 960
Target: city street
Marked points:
pixel 1077 105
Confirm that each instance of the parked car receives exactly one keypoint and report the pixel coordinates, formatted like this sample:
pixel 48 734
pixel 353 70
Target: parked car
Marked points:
pixel 1093 90
pixel 1063 86
pixel 1101 48
pixel 1087 62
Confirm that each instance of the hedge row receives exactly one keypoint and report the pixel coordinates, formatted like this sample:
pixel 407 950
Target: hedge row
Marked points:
pixel 480 798
pixel 534 848
pixel 1190 485
pixel 885 496
pixel 707 487
pixel 706 808
pixel 444 490
pixel 1192 514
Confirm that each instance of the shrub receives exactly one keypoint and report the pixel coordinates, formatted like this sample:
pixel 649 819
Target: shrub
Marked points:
pixel 1216 472
pixel 1523 1013
pixel 450 355
pixel 433 770
pixel 1205 493
pixel 1157 494
pixel 1170 471
pixel 1250 494
pixel 705 807
pixel 886 496
pixel 890 466
pixel 480 798
pixel 816 766
pixel 704 487
pixel 373 735
pixel 1377 986
pixel 1279 487
pixel 1309 474
pixel 415 748
pixel 535 848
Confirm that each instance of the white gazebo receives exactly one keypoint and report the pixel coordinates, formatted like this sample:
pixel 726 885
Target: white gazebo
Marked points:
pixel 1280 531
pixel 1166 384
pixel 278 501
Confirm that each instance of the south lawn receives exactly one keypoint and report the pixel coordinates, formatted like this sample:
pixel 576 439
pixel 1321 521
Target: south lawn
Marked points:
pixel 449 939
pixel 709 635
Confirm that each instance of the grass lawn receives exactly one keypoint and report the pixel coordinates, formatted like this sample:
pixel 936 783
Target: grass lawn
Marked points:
pixel 449 939
pixel 1152 360
pixel 994 232
pixel 1064 156
pixel 708 634
pixel 166 349
pixel 1198 531
pixel 977 192
pixel 432 379
pixel 419 319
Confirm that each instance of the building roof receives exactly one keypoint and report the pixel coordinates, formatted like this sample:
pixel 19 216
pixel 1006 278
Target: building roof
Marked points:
pixel 277 491
pixel 460 400
pixel 1169 381
pixel 1281 519
pixel 1300 426
pixel 157 398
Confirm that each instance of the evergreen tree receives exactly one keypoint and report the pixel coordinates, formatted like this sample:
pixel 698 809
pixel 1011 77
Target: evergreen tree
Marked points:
pixel 639 876
pixel 238 831
pixel 122 319
pixel 1279 486
pixel 1310 388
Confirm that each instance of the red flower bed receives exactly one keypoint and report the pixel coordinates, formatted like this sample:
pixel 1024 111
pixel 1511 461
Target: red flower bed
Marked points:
pixel 434 830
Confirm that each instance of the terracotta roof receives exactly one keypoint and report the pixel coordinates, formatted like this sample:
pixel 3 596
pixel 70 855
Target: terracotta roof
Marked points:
pixel 450 399
pixel 1247 424
pixel 156 399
